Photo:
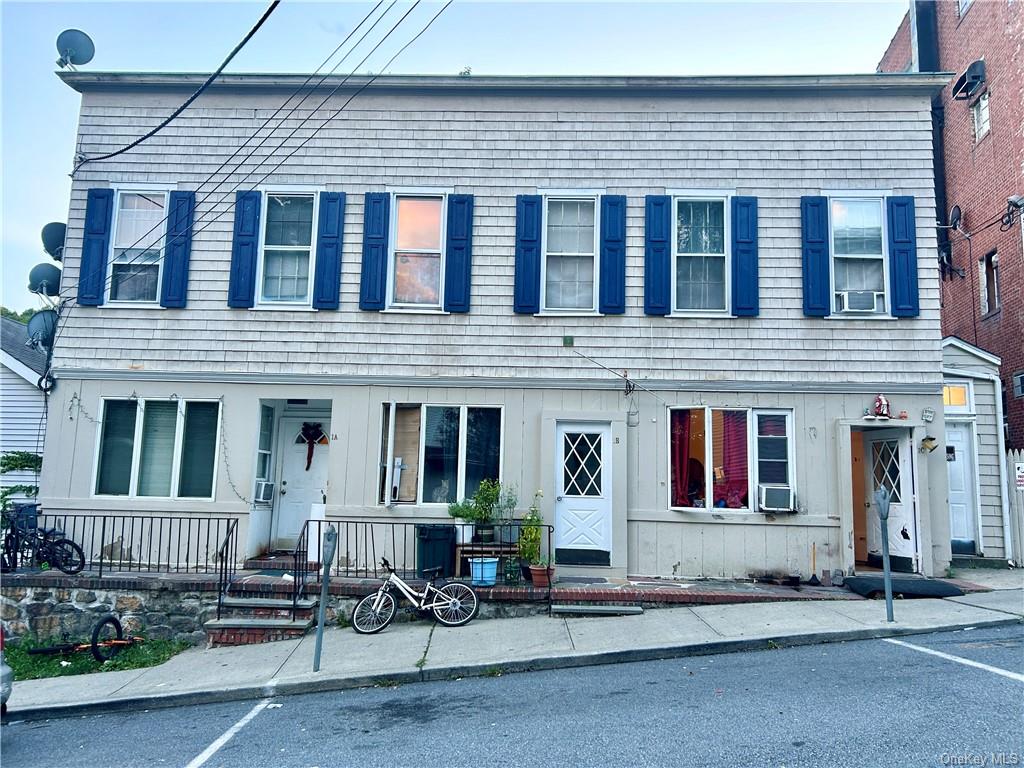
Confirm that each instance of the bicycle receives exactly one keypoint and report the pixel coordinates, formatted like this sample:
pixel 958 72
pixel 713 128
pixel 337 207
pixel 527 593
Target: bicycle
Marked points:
pixel 453 604
pixel 107 641
pixel 26 542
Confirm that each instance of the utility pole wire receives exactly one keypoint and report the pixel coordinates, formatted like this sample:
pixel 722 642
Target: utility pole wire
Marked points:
pixel 190 99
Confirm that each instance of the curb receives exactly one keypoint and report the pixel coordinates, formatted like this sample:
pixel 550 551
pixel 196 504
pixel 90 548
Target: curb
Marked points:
pixel 322 685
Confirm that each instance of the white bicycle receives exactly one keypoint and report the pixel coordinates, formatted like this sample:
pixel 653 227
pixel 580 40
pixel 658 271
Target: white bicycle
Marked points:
pixel 452 604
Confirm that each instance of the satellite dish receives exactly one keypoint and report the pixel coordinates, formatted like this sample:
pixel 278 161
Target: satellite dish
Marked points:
pixel 44 279
pixel 53 239
pixel 75 48
pixel 42 326
pixel 956 216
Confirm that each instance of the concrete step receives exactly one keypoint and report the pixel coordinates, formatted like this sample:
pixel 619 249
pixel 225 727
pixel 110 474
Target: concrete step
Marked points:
pixel 237 631
pixel 973 561
pixel 268 608
pixel 281 562
pixel 596 610
pixel 261 602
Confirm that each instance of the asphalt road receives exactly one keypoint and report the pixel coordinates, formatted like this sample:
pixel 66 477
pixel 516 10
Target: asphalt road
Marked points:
pixel 853 704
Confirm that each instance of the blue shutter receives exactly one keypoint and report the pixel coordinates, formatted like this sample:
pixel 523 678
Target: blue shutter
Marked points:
pixel 92 271
pixel 903 257
pixel 458 267
pixel 612 292
pixel 327 273
pixel 814 229
pixel 526 294
pixel 744 257
pixel 373 283
pixel 658 255
pixel 244 247
pixel 178 249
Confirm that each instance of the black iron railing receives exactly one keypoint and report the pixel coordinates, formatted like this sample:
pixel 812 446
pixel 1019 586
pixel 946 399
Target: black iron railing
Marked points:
pixel 227 563
pixel 484 554
pixel 142 543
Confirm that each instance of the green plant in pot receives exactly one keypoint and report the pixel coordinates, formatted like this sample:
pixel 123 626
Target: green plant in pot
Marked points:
pixel 483 508
pixel 530 541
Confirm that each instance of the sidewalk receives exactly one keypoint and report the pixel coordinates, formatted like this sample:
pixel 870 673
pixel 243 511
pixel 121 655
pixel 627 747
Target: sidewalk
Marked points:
pixel 420 650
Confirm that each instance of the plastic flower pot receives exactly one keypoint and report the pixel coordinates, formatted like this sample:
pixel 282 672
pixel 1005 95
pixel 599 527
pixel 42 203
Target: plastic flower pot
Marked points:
pixel 484 571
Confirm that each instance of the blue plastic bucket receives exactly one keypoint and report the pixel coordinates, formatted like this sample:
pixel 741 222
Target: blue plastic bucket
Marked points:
pixel 484 570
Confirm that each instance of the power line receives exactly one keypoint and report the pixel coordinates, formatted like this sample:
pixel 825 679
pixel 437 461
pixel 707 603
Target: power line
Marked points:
pixel 190 99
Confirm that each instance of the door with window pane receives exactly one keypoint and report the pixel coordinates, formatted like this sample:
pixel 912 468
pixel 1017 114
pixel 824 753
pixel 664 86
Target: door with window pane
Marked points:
pixel 583 494
pixel 888 465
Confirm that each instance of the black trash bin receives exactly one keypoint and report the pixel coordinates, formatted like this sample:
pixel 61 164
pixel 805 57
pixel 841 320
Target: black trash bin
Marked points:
pixel 435 548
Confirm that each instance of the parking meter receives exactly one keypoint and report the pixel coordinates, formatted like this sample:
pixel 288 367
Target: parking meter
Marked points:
pixel 327 549
pixel 882 499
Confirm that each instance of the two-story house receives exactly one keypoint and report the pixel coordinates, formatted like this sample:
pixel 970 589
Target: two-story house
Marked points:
pixel 452 278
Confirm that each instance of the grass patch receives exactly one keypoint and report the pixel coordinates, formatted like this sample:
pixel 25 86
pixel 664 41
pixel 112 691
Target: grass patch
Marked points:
pixel 27 666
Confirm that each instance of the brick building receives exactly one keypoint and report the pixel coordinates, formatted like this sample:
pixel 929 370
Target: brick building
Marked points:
pixel 980 148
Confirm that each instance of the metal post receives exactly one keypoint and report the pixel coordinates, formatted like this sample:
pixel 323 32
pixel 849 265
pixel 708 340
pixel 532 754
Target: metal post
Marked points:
pixel 330 543
pixel 882 501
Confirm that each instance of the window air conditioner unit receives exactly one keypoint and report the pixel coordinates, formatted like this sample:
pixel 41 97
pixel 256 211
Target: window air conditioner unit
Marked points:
pixel 858 301
pixel 264 492
pixel 776 498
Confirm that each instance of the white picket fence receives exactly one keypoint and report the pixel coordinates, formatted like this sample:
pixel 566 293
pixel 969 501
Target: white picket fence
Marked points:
pixel 1015 492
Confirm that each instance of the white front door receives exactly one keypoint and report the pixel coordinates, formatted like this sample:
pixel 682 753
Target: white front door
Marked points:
pixel 583 494
pixel 960 464
pixel 887 463
pixel 300 487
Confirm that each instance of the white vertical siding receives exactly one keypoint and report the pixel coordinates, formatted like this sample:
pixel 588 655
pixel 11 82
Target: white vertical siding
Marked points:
pixel 22 423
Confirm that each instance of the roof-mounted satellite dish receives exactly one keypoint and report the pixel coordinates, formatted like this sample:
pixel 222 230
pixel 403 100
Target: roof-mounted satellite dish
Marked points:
pixel 956 217
pixel 75 48
pixel 53 239
pixel 42 326
pixel 44 279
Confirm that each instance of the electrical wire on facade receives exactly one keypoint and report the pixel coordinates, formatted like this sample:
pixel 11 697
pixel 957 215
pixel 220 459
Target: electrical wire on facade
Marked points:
pixel 190 99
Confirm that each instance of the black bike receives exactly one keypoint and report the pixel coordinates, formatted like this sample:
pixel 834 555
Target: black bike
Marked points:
pixel 26 543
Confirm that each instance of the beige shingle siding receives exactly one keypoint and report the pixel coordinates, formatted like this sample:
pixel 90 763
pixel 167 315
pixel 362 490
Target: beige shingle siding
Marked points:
pixel 776 147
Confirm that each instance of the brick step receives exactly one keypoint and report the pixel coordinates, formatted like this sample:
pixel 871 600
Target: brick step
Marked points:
pixel 233 631
pixel 282 562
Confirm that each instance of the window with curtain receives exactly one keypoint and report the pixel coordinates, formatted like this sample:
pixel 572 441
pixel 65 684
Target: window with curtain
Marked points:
pixel 570 253
pixel 710 448
pixel 139 231
pixel 858 255
pixel 448 449
pixel 287 248
pixel 417 263
pixel 169 429
pixel 701 267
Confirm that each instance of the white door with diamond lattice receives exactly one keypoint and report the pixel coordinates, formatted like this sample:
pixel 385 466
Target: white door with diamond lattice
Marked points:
pixel 583 494
pixel 887 463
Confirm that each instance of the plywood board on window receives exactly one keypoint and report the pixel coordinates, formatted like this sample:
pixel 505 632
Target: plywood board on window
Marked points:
pixel 407 448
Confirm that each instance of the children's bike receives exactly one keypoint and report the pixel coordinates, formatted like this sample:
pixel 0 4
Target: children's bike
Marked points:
pixel 452 604
pixel 107 641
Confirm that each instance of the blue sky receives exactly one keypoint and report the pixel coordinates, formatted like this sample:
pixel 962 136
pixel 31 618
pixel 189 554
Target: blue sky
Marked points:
pixel 38 113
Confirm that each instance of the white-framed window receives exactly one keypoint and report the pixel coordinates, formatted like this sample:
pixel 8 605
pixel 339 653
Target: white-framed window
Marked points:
pixel 979 116
pixel 718 457
pixel 265 446
pixel 962 6
pixel 287 248
pixel 140 229
pixel 157 448
pixel 1018 384
pixel 957 397
pixel 988 282
pixel 437 454
pixel 417 251
pixel 570 266
pixel 860 271
pixel 700 254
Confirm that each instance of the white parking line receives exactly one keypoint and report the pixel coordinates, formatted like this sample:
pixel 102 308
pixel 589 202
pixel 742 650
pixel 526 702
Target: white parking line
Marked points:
pixel 960 660
pixel 225 737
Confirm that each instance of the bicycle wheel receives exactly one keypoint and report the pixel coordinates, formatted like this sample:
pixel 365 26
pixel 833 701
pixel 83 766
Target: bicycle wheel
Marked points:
pixel 67 556
pixel 366 620
pixel 456 604
pixel 107 629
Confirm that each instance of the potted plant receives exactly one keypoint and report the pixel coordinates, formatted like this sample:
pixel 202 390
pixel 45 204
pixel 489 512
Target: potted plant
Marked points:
pixel 530 536
pixel 464 512
pixel 480 510
pixel 541 573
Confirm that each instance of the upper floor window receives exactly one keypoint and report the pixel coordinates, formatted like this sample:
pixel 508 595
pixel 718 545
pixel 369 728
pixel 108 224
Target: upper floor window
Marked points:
pixel 956 396
pixel 858 255
pixel 962 6
pixel 570 253
pixel 139 230
pixel 287 250
pixel 158 448
pixel 417 259
pixel 988 279
pixel 1018 384
pixel 979 115
pixel 700 255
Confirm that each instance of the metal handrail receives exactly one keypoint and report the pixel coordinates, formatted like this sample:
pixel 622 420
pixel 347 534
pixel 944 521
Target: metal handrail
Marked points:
pixel 300 565
pixel 227 563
